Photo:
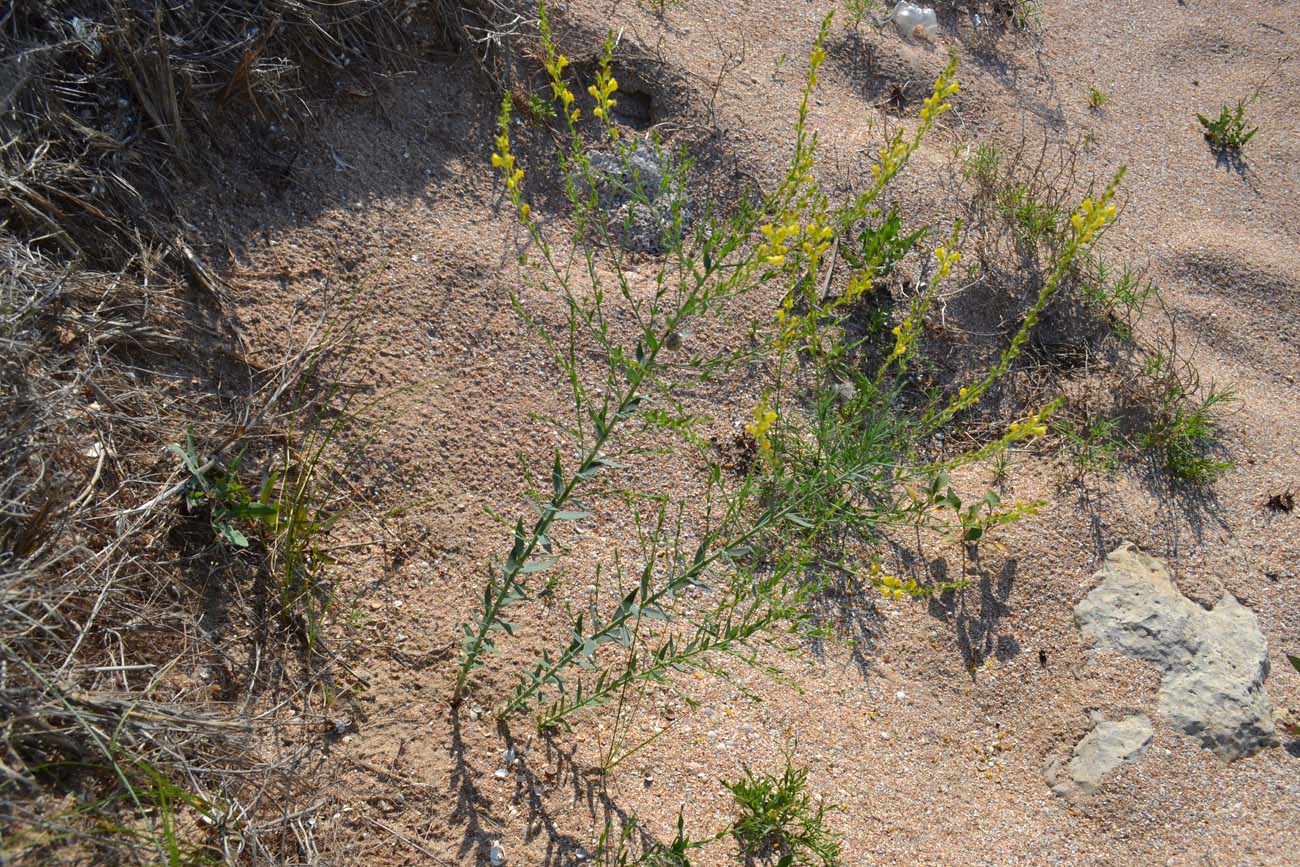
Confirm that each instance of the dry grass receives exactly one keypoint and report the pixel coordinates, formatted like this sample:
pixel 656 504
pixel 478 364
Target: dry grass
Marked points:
pixel 136 653
pixel 157 701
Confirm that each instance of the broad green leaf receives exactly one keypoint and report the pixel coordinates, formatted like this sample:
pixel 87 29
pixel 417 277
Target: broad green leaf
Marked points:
pixel 233 536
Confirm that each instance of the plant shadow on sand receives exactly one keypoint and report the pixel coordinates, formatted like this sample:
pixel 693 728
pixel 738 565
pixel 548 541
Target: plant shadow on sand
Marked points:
pixel 562 772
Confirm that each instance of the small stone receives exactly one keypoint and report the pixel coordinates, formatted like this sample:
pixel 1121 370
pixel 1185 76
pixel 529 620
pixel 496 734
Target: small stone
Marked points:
pixel 1100 751
pixel 496 854
pixel 501 773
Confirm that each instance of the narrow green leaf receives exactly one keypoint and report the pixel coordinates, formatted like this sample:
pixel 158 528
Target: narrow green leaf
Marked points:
pixel 570 515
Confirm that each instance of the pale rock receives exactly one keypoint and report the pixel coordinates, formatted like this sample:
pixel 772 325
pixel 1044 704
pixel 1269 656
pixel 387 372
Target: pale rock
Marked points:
pixel 1100 751
pixel 1213 663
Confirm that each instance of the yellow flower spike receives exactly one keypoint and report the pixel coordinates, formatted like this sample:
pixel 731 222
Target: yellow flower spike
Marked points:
pixel 524 211
pixel 961 392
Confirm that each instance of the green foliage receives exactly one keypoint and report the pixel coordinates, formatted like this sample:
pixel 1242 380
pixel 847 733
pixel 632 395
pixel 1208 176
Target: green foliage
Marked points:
pixel 858 11
pixel 1092 444
pixel 1120 295
pixel 1179 425
pixel 778 822
pixel 540 109
pixel 983 165
pixel 1096 99
pixel 220 492
pixel 1035 221
pixel 1182 433
pixel 884 246
pixel 1228 131
pixel 674 854
pixel 839 453
pixel 289 515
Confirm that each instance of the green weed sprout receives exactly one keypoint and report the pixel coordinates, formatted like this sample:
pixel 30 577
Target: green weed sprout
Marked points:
pixel 777 819
pixel 1228 132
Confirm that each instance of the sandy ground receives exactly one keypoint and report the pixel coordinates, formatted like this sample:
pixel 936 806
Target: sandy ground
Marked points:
pixel 927 761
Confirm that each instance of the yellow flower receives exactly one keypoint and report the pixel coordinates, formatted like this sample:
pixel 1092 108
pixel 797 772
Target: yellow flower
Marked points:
pixel 764 418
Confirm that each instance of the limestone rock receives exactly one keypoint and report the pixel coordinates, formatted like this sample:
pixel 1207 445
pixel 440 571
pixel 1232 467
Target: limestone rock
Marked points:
pixel 1213 663
pixel 1100 751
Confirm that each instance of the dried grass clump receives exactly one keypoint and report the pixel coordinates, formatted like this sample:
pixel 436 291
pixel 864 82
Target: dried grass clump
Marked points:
pixel 133 651
pixel 155 703
pixel 108 105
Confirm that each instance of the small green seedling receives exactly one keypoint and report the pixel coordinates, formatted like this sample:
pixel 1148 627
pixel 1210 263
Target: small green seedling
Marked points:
pixel 778 820
pixel 1228 131
pixel 227 501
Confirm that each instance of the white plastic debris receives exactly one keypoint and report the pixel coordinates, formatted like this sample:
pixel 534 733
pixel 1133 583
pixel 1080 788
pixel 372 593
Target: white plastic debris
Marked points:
pixel 496 854
pixel 908 17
